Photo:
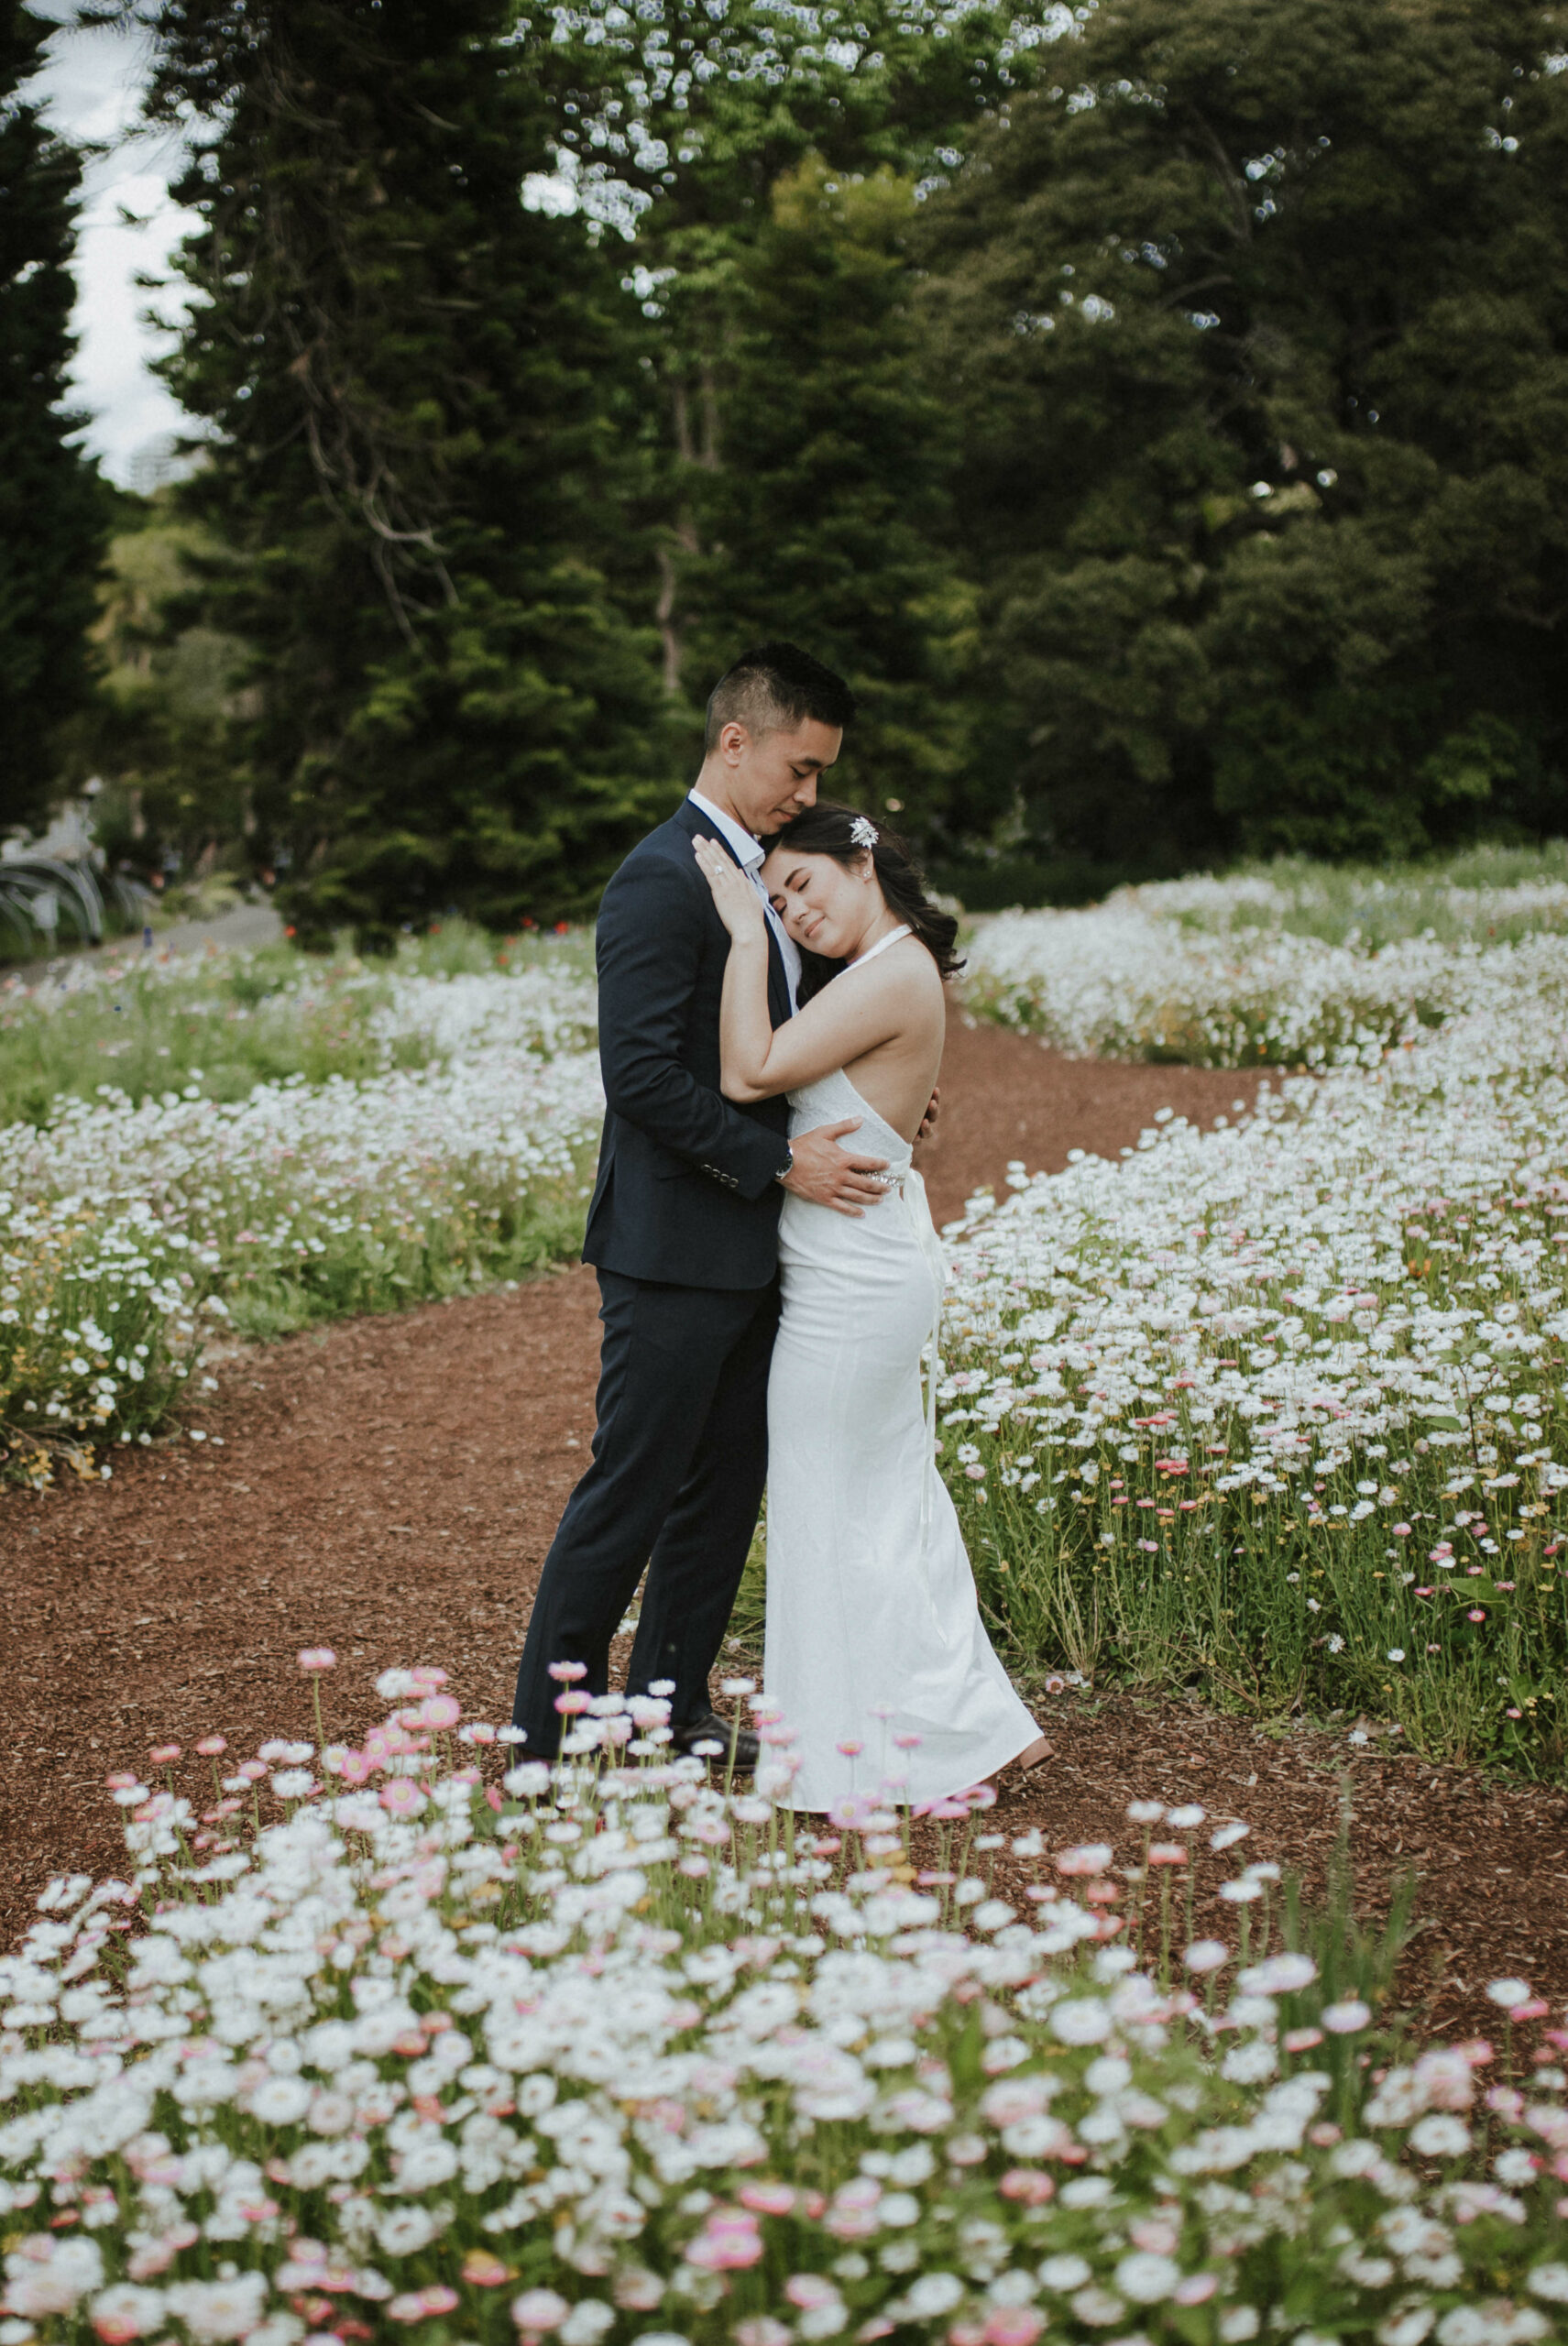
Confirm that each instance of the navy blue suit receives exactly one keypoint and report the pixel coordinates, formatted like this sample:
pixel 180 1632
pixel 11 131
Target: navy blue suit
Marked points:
pixel 684 1232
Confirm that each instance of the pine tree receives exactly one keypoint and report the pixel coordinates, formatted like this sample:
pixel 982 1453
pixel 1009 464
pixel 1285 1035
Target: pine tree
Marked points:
pixel 405 369
pixel 793 456
pixel 54 515
pixel 1258 323
pixel 824 517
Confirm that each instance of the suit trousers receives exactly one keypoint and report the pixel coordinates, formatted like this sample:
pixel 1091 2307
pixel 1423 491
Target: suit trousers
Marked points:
pixel 680 1461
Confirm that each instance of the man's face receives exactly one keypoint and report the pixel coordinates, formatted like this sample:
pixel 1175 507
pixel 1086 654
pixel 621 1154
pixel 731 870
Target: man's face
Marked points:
pixel 772 776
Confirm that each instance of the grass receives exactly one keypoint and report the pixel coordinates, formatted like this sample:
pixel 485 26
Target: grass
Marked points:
pixel 234 1020
pixel 1215 1610
pixel 265 1141
pixel 460 1253
pixel 748 1616
pixel 1344 1494
pixel 1213 1615
pixel 1374 906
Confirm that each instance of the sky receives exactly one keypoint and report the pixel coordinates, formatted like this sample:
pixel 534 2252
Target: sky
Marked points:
pixel 89 90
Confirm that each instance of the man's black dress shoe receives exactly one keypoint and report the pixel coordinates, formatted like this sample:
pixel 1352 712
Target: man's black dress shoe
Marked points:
pixel 706 1728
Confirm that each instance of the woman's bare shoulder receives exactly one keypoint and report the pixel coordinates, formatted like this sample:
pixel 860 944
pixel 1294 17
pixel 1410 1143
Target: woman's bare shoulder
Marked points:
pixel 902 965
pixel 912 967
pixel 903 988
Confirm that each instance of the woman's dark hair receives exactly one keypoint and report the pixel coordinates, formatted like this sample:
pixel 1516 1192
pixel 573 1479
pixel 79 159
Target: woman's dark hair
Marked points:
pixel 829 829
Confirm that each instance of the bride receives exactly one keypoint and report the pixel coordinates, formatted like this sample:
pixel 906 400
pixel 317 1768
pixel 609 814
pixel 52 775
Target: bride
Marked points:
pixel 875 1649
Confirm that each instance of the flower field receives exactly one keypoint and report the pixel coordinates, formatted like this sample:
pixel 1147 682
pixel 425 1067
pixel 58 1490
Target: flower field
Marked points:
pixel 426 1130
pixel 1278 1410
pixel 1274 1412
pixel 146 1023
pixel 399 2039
pixel 1299 967
pixel 418 2037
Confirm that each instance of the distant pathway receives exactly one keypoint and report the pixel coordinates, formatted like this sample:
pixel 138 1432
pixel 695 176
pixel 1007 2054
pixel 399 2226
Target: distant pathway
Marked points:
pixel 390 1487
pixel 246 928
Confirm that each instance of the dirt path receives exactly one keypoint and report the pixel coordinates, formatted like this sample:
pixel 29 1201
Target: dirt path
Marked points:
pixel 390 1487
pixel 1005 1097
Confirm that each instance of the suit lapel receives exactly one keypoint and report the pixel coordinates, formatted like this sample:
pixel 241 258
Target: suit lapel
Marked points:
pixel 692 819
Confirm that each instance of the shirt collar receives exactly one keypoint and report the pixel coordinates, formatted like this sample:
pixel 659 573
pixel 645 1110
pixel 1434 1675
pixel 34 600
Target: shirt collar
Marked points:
pixel 748 850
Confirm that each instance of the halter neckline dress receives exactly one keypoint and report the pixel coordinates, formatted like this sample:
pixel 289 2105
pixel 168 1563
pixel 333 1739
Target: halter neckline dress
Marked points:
pixel 875 1649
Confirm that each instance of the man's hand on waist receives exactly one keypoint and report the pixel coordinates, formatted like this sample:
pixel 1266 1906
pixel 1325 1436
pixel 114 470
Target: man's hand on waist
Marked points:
pixel 830 1175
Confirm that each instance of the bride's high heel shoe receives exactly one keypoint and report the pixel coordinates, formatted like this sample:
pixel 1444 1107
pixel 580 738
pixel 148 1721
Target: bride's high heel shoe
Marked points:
pixel 1010 1779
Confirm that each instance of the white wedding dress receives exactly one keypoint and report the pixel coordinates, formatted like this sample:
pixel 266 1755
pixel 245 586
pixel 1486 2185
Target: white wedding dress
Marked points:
pixel 873 1630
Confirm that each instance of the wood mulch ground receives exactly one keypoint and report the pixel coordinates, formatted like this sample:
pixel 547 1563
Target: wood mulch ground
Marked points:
pixel 388 1487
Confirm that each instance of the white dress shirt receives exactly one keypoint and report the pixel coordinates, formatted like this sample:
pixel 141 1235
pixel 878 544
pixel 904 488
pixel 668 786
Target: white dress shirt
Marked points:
pixel 748 854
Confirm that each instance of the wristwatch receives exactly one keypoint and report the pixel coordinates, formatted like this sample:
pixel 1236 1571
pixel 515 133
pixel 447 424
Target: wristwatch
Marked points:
pixel 782 1175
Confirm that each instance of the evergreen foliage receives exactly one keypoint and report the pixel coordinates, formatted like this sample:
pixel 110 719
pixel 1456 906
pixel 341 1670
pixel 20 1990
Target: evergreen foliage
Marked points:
pixel 822 521
pixel 54 513
pixel 163 734
pixel 795 454
pixel 1258 327
pixel 1157 410
pixel 413 472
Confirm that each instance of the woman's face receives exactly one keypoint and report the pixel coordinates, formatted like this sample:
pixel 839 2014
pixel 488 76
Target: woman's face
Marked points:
pixel 825 907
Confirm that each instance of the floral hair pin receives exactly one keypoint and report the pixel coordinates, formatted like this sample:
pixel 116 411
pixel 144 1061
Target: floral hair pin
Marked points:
pixel 863 831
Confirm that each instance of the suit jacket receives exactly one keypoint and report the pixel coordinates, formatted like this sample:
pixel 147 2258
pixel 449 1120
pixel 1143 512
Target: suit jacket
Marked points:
pixel 687 1189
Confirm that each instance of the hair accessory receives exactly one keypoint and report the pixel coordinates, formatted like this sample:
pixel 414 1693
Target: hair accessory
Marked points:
pixel 863 831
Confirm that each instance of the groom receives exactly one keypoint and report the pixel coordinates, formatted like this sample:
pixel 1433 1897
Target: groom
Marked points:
pixel 684 1228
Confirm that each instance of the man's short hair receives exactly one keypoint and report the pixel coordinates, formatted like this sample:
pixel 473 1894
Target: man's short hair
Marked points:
pixel 773 688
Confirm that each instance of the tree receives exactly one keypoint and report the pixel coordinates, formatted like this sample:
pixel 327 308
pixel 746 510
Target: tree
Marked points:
pixel 824 517
pixel 412 460
pixel 766 165
pixel 1258 328
pixel 162 733
pixel 53 511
